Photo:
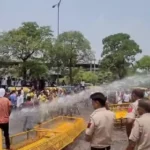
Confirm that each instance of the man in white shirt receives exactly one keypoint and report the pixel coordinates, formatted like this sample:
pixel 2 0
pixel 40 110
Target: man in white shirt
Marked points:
pixel 126 97
pixel 4 83
pixel 118 97
pixel 83 85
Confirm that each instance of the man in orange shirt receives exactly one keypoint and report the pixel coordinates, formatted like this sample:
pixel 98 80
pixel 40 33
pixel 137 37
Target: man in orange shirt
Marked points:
pixel 5 110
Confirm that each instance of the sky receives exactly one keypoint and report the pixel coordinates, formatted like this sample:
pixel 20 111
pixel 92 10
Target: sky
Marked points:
pixel 96 19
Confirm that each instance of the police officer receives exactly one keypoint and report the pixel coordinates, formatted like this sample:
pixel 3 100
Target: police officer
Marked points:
pixel 139 138
pixel 136 95
pixel 100 127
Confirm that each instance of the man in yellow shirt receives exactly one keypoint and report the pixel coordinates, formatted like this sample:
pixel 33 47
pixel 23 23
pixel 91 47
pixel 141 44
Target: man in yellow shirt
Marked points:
pixel 42 97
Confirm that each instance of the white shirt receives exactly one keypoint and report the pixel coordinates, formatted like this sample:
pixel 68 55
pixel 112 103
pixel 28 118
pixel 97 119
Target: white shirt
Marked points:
pixel 126 97
pixel 82 83
pixel 4 82
pixel 20 100
pixel 22 92
pixel 19 83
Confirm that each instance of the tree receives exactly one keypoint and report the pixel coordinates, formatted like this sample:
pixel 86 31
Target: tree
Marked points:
pixel 90 77
pixel 28 42
pixel 105 76
pixel 72 48
pixel 119 52
pixel 144 63
pixel 79 74
pixel 37 70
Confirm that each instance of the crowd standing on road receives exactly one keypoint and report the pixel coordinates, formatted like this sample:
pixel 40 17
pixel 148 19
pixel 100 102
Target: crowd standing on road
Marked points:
pixel 101 123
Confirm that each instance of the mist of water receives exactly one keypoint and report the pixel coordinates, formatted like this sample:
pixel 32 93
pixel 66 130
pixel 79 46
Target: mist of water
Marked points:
pixel 71 100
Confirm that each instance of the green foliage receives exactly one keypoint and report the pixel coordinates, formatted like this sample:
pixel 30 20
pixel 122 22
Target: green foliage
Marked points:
pixel 144 63
pixel 37 70
pixel 28 42
pixel 104 76
pixel 71 48
pixel 89 77
pixel 78 74
pixel 118 54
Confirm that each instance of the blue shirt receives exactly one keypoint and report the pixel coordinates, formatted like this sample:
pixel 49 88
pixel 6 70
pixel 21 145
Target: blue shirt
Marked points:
pixel 13 98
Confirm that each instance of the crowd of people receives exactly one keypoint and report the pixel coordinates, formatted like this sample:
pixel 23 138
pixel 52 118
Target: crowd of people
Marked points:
pixel 137 120
pixel 24 101
pixel 38 84
pixel 19 97
pixel 125 96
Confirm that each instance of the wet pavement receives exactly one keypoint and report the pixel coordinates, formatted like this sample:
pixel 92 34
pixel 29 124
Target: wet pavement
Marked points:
pixel 119 136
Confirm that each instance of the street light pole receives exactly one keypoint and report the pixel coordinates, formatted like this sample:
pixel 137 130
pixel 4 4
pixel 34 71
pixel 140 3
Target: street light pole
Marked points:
pixel 58 15
pixel 58 23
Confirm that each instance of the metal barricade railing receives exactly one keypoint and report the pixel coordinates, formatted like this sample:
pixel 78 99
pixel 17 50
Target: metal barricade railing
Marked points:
pixel 54 134
pixel 1 140
pixel 23 138
pixel 120 111
pixel 114 107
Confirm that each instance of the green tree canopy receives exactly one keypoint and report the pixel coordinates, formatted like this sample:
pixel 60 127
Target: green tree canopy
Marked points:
pixel 119 52
pixel 79 74
pixel 105 76
pixel 144 63
pixel 72 48
pixel 27 42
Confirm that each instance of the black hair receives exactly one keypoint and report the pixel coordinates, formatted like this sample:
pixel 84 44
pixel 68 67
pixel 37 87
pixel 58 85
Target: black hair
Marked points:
pixel 28 98
pixel 145 104
pixel 19 92
pixel 139 93
pixel 100 97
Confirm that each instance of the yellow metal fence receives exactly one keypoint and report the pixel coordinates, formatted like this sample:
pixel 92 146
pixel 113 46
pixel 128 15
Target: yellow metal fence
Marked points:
pixel 51 135
pixel 120 111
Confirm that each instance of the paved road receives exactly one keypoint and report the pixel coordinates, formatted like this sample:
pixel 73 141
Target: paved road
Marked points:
pixel 119 136
pixel 17 121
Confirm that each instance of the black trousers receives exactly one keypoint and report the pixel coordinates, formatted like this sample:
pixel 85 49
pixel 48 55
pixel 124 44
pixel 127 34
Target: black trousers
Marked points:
pixel 107 148
pixel 5 129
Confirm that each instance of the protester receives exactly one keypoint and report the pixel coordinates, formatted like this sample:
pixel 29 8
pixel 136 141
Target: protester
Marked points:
pixel 20 99
pixel 82 85
pixel 140 133
pixel 13 98
pixel 5 111
pixel 42 97
pixel 27 113
pixel 97 133
pixel 126 97
pixel 4 83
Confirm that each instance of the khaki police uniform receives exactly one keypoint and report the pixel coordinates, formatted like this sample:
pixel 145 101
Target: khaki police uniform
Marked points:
pixel 100 128
pixel 140 133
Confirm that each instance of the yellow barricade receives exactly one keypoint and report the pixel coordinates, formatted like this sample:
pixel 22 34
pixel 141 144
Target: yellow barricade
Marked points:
pixel 115 107
pixel 120 111
pixel 55 134
pixel 1 143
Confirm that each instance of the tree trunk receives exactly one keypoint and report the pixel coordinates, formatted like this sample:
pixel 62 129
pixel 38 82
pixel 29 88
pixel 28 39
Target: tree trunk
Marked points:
pixel 24 72
pixel 122 72
pixel 70 72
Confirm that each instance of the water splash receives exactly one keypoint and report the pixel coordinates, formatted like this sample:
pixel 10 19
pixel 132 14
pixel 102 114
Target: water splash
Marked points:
pixel 70 101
